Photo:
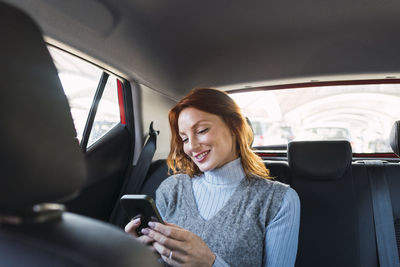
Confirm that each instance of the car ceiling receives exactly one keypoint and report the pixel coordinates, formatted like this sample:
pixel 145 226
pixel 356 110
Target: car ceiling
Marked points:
pixel 173 46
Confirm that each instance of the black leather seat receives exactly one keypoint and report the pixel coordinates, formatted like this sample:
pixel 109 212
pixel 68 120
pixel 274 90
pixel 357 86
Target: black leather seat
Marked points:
pixel 393 174
pixel 321 175
pixel 41 162
pixel 337 220
pixel 391 171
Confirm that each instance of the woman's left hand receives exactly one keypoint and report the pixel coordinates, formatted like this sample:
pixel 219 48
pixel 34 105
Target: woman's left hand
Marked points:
pixel 178 246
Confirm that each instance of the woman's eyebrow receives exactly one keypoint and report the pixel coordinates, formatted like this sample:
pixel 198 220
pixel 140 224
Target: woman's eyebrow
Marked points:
pixel 195 125
pixel 200 121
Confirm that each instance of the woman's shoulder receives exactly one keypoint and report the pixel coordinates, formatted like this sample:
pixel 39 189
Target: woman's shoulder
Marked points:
pixel 274 188
pixel 292 198
pixel 259 181
pixel 174 181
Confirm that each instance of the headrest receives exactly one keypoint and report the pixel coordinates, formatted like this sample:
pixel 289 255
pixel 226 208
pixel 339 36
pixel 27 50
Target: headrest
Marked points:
pixel 324 160
pixel 394 138
pixel 252 130
pixel 40 156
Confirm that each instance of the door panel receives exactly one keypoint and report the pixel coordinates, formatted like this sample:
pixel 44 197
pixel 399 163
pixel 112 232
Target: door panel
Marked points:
pixel 107 162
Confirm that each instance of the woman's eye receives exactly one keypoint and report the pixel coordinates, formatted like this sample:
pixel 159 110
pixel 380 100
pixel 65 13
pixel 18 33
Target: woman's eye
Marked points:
pixel 184 140
pixel 203 131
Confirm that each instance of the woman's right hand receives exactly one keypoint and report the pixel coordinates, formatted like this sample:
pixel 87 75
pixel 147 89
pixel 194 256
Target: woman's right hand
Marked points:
pixel 131 227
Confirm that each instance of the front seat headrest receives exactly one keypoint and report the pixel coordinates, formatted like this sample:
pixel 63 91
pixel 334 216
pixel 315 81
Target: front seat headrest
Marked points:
pixel 40 156
pixel 394 138
pixel 322 160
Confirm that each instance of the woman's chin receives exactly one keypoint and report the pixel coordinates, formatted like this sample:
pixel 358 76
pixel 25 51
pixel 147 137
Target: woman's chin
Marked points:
pixel 205 167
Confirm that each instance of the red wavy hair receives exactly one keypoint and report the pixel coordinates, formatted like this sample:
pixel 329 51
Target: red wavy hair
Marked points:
pixel 219 103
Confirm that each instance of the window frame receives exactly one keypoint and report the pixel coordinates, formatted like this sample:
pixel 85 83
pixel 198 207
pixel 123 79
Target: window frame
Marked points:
pixel 125 102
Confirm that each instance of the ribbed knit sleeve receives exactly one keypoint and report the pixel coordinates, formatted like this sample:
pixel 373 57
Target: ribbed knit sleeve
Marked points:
pixel 282 233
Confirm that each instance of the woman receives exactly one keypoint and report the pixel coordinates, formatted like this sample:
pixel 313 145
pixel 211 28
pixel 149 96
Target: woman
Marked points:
pixel 225 209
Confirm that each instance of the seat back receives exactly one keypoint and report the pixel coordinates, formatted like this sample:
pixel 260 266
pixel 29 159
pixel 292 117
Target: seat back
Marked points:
pixel 393 176
pixel 279 171
pixel 365 215
pixel 322 176
pixel 40 157
pixel 41 162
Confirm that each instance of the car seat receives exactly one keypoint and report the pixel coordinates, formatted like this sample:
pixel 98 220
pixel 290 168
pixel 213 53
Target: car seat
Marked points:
pixel 41 163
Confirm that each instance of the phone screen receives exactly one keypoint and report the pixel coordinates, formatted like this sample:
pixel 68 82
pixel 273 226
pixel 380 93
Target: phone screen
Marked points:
pixel 142 206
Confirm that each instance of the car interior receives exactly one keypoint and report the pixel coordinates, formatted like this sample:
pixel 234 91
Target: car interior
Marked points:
pixel 86 90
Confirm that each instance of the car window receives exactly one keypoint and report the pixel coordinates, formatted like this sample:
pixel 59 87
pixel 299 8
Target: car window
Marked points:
pixel 80 80
pixel 107 115
pixel 361 114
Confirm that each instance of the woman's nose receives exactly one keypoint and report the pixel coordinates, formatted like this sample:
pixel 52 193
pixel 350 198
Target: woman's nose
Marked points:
pixel 193 144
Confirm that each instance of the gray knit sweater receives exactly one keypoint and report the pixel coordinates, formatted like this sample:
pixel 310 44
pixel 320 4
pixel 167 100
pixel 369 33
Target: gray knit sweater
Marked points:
pixel 237 231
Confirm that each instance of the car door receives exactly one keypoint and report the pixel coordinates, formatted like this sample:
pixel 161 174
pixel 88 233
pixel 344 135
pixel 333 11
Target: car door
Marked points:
pixel 101 106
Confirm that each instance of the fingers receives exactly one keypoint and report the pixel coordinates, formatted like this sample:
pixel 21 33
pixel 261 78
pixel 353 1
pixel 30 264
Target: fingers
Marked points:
pixel 166 241
pixel 170 262
pixel 132 226
pixel 171 224
pixel 169 230
pixel 172 257
pixel 144 239
pixel 179 247
pixel 162 250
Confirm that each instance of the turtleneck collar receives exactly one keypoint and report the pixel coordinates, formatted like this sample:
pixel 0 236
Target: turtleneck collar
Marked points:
pixel 231 173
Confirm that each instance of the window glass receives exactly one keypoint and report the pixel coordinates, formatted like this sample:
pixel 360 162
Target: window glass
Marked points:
pixel 107 115
pixel 361 114
pixel 79 80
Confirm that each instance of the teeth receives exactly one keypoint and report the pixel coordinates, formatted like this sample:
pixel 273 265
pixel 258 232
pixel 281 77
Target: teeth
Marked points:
pixel 201 156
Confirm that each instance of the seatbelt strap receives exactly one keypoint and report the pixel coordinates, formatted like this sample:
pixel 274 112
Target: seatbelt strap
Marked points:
pixel 383 215
pixel 135 181
pixel 142 166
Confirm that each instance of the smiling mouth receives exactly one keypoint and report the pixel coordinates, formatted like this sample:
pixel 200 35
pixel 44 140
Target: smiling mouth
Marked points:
pixel 200 157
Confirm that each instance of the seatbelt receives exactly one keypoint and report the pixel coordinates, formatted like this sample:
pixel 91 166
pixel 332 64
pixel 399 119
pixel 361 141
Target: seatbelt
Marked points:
pixel 135 181
pixel 383 215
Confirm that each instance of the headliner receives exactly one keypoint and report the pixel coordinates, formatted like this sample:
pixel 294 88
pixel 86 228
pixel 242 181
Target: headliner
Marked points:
pixel 173 46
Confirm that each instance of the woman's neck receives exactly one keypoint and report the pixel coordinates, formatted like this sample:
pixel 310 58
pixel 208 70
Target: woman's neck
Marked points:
pixel 231 173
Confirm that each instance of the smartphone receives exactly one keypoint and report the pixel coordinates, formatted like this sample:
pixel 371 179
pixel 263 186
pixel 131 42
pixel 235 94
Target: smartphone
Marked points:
pixel 142 206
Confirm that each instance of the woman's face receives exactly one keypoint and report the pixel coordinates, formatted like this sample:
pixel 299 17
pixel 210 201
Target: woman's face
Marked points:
pixel 206 138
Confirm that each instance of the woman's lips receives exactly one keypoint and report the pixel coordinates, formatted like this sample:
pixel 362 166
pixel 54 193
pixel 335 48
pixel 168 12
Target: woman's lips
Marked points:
pixel 201 156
